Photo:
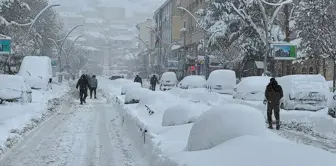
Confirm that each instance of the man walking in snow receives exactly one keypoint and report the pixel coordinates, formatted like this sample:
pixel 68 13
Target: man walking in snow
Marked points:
pixel 273 94
pixel 138 79
pixel 83 85
pixel 93 86
pixel 153 82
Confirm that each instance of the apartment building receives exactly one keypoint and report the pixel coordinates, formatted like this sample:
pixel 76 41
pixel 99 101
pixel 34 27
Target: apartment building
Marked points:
pixel 167 28
pixel 144 33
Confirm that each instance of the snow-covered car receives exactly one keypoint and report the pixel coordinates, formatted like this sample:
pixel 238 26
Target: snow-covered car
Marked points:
pixel 304 92
pixel 36 70
pixel 251 88
pixel 332 106
pixel 14 88
pixel 222 81
pixel 168 81
pixel 114 77
pixel 193 81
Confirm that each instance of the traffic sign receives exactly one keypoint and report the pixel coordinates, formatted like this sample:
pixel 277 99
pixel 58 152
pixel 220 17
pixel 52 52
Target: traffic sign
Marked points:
pixel 53 63
pixel 5 46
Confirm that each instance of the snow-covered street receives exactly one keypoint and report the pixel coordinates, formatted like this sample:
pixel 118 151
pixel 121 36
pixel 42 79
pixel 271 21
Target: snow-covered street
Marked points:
pixel 81 135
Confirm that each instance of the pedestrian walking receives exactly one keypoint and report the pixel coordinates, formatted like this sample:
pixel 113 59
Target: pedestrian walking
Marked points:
pixel 83 85
pixel 153 82
pixel 50 83
pixel 93 86
pixel 273 94
pixel 138 79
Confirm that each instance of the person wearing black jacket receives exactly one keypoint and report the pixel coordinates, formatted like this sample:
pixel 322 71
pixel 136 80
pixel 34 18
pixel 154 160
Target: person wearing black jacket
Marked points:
pixel 83 85
pixel 153 82
pixel 138 79
pixel 273 94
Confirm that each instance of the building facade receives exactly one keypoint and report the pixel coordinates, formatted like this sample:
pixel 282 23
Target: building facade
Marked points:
pixel 166 32
pixel 144 33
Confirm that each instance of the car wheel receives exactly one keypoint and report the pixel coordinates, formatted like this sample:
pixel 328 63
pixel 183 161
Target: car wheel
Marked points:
pixel 1 101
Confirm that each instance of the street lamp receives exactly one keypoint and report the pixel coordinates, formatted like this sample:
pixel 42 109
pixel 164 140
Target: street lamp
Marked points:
pixel 38 15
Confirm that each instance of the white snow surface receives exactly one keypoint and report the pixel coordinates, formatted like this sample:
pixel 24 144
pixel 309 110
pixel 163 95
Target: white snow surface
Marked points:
pixel 223 123
pixel 180 114
pixel 166 145
pixel 17 118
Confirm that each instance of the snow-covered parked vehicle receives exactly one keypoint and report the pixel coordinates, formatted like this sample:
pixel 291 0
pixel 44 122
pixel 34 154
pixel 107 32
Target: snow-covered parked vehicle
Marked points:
pixel 37 71
pixel 168 81
pixel 222 81
pixel 251 88
pixel 304 92
pixel 13 88
pixel 129 85
pixel 332 106
pixel 193 81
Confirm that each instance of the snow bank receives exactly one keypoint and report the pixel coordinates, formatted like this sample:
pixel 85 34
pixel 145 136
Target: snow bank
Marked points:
pixel 258 151
pixel 223 123
pixel 17 119
pixel 178 115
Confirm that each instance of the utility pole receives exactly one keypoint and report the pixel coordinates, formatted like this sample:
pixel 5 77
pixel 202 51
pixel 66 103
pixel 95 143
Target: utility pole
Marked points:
pixel 184 49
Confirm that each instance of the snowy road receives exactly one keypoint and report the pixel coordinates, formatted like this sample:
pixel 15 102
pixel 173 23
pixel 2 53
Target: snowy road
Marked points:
pixel 87 135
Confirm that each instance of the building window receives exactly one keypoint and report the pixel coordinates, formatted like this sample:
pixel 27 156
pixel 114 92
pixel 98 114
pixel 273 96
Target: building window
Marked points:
pixel 304 70
pixel 311 70
pixel 293 70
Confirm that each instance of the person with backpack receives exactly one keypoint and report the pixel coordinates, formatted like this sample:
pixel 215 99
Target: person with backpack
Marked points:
pixel 83 85
pixel 273 95
pixel 93 86
pixel 153 82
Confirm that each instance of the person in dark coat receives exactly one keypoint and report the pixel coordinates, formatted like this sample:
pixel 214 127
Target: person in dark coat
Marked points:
pixel 273 94
pixel 138 79
pixel 153 82
pixel 83 85
pixel 93 86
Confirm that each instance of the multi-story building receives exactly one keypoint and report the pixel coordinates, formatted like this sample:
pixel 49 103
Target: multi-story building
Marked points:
pixel 167 28
pixel 71 19
pixel 144 33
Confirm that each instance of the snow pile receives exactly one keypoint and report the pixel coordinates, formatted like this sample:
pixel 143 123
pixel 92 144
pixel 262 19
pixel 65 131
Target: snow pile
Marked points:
pixel 225 122
pixel 129 86
pixel 258 151
pixel 178 115
pixel 134 94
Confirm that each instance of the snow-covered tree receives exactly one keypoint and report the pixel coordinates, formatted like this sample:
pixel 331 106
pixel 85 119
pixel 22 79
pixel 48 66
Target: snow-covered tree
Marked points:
pixel 239 19
pixel 316 25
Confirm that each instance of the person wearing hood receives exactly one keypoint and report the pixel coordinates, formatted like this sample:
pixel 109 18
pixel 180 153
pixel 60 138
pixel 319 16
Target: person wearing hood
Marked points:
pixel 138 79
pixel 273 95
pixel 93 86
pixel 83 85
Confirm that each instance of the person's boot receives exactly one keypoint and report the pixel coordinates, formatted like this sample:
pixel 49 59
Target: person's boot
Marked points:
pixel 277 125
pixel 270 125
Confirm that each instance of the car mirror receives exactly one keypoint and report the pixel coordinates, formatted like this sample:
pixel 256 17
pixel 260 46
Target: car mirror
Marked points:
pixel 334 97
